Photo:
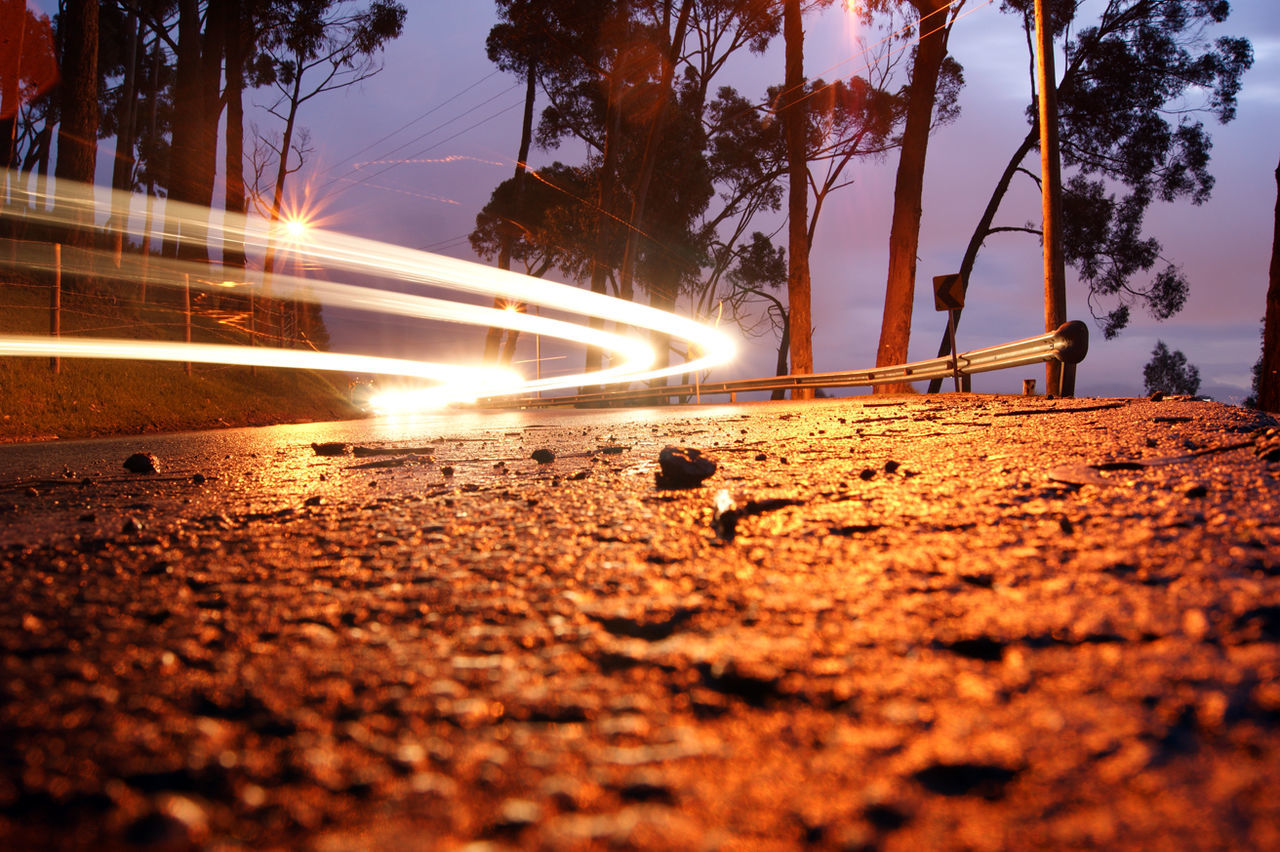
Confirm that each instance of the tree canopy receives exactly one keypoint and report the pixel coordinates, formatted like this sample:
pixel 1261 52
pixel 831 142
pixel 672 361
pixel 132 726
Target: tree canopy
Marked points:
pixel 1136 83
pixel 1168 372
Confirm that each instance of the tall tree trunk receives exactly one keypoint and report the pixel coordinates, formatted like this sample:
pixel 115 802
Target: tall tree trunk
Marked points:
pixel 186 111
pixel 904 231
pixel 152 132
pixel 794 111
pixel 234 195
pixel 649 158
pixel 1269 378
pixel 493 339
pixel 205 165
pixel 605 194
pixel 784 345
pixel 122 167
pixel 78 132
pixel 662 295
pixel 1055 272
pixel 196 108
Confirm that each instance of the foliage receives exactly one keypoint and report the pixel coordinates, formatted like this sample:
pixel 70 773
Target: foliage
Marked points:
pixel 1255 387
pixel 758 274
pixel 36 66
pixel 1135 82
pixel 1103 240
pixel 721 155
pixel 1169 372
pixel 551 223
pixel 337 36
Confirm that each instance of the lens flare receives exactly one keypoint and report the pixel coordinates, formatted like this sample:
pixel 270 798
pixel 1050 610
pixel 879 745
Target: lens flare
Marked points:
pixel 630 358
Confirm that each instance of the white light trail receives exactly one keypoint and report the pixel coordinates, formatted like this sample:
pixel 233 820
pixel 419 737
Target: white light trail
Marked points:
pixel 631 359
pixel 485 380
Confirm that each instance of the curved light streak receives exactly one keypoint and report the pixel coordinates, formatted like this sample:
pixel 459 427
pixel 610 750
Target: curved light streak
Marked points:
pixel 631 359
pixel 495 379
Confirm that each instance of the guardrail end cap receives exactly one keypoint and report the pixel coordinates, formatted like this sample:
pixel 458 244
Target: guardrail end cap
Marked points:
pixel 1075 339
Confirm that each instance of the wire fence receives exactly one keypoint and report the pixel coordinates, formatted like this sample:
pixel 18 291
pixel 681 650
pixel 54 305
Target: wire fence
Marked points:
pixel 75 292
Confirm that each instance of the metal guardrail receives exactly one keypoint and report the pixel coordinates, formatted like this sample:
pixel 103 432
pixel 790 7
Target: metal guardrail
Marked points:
pixel 1068 344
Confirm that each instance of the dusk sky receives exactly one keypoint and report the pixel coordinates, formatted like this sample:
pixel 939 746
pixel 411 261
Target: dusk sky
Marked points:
pixel 437 130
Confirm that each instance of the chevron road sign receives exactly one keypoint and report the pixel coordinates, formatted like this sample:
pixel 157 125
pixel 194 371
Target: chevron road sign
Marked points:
pixel 948 292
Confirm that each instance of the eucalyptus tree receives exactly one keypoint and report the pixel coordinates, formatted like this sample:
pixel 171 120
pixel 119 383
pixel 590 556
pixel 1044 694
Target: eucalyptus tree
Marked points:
pixel 318 46
pixel 1170 372
pixel 634 83
pixel 78 101
pixel 847 120
pixel 1137 83
pixel 792 109
pixel 516 45
pixel 674 243
pixel 933 74
pixel 308 48
pixel 624 82
pixel 197 107
pixel 552 227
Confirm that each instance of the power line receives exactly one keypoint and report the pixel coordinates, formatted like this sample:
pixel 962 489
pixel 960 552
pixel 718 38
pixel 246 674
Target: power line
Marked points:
pixel 352 182
pixel 429 132
pixel 412 121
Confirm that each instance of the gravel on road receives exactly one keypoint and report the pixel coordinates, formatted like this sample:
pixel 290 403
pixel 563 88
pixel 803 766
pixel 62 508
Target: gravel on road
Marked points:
pixel 956 622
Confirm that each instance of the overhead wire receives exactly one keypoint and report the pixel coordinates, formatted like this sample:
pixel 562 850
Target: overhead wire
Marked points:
pixel 435 129
pixel 411 122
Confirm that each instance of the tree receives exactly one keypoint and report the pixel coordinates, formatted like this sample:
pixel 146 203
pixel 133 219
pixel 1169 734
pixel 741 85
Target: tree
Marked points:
pixel 1128 120
pixel 197 107
pixel 759 274
pixel 927 68
pixel 793 112
pixel 625 78
pixel 551 224
pixel 513 46
pixel 78 96
pixel 27 68
pixel 239 36
pixel 675 243
pixel 1268 380
pixel 125 118
pixel 331 44
pixel 650 108
pixel 596 54
pixel 669 48
pixel 1169 372
pixel 847 119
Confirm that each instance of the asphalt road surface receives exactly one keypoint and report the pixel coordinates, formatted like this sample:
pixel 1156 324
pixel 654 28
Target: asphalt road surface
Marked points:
pixel 956 622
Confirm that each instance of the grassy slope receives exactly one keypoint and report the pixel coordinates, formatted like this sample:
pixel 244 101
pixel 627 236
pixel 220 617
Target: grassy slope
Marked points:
pixel 106 397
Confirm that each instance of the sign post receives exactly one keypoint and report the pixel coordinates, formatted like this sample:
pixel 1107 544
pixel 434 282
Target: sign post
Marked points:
pixel 948 295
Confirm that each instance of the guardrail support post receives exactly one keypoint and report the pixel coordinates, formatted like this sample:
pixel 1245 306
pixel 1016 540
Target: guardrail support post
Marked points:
pixel 186 309
pixel 1068 388
pixel 55 305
